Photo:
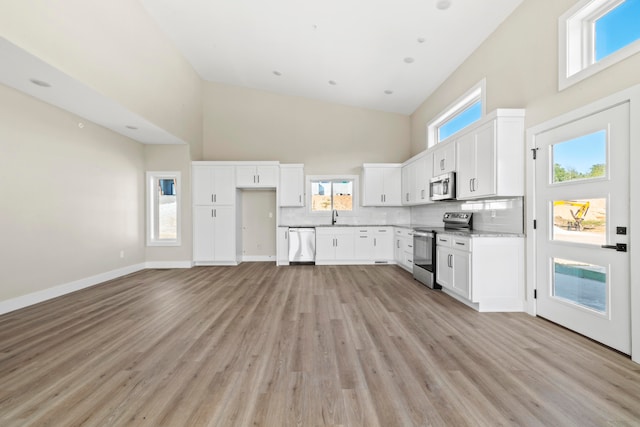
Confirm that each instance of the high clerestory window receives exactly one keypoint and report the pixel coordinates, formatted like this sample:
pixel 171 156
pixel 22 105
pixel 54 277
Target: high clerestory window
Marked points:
pixel 465 111
pixel 595 34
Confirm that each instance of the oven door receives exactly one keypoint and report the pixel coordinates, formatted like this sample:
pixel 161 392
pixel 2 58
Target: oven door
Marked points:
pixel 424 257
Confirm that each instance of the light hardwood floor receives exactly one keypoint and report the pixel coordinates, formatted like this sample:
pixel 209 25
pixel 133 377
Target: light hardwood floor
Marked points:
pixel 258 345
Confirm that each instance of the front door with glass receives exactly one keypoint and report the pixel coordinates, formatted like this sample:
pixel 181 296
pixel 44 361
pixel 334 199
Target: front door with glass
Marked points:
pixel 582 215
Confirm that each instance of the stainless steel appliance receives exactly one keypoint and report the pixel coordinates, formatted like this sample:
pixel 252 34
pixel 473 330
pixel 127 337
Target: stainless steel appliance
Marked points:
pixel 457 220
pixel 443 187
pixel 424 257
pixel 302 245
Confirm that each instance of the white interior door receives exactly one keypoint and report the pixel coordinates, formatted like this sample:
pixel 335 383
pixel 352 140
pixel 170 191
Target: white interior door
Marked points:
pixel 582 215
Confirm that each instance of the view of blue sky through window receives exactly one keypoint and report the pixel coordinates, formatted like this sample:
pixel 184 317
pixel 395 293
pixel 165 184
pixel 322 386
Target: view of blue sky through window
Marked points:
pixel 576 158
pixel 617 29
pixel 460 121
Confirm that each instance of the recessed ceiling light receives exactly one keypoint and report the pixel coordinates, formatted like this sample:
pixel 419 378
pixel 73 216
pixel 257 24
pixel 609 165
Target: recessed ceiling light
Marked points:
pixel 332 82
pixel 409 60
pixel 388 92
pixel 40 83
pixel 131 127
pixel 443 4
pixel 421 39
pixel 277 73
pixel 80 125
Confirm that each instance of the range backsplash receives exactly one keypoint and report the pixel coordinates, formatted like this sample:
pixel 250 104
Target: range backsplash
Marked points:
pixel 499 215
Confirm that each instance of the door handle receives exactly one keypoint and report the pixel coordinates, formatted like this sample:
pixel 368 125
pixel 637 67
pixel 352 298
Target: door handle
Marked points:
pixel 471 185
pixel 619 247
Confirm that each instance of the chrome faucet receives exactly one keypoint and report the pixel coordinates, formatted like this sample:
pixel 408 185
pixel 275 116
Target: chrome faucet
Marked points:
pixel 334 215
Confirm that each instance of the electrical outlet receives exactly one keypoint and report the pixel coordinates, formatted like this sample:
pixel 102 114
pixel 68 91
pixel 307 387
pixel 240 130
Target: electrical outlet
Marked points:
pixel 493 214
pixel 270 214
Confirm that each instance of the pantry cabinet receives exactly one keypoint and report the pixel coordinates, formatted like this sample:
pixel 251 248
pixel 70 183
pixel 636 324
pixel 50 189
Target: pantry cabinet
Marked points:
pixel 214 214
pixel 381 184
pixel 214 235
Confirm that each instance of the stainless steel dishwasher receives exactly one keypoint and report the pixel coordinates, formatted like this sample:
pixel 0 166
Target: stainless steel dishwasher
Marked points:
pixel 302 245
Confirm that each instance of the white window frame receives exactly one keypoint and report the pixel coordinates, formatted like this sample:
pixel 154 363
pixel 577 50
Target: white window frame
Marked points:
pixel 470 97
pixel 152 207
pixel 576 42
pixel 356 188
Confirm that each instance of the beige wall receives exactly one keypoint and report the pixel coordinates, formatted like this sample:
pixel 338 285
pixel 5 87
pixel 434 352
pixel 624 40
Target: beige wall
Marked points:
pixel 117 49
pixel 258 228
pixel 173 158
pixel 520 63
pixel 245 124
pixel 72 198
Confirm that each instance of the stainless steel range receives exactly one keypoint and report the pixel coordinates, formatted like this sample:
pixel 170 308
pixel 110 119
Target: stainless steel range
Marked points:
pixel 424 257
pixel 424 247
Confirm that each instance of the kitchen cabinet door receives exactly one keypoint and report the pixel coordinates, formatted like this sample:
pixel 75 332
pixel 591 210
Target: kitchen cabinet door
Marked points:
pixel 461 270
pixel 225 233
pixel 203 234
pixel 485 150
pixel 467 155
pixel 363 245
pixel 291 185
pixel 283 245
pixel 345 243
pixel 444 158
pixel 382 185
pixel 325 245
pixel 383 244
pixel 213 185
pixel 444 268
pixel 257 176
pixel 214 234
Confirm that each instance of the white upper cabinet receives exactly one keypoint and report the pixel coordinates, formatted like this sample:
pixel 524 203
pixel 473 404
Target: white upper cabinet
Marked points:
pixel 257 175
pixel 292 185
pixel 490 157
pixel 444 158
pixel 213 185
pixel 381 184
pixel 416 173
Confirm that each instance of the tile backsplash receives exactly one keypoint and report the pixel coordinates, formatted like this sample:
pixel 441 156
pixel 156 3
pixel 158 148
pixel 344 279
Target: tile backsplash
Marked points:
pixel 500 215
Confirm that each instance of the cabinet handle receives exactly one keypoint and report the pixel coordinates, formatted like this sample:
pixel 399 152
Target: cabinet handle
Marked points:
pixel 363 237
pixel 300 198
pixel 422 194
pixel 286 235
pixel 381 198
pixel 258 179
pixel 471 185
pixel 375 242
pixel 212 214
pixel 398 244
pixel 475 187
pixel 215 198
pixel 407 197
pixel 460 243
pixel 215 213
pixel 441 164
pixel 212 198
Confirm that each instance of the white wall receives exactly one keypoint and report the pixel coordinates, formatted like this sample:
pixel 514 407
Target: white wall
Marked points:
pixel 72 198
pixel 115 48
pixel 520 63
pixel 246 124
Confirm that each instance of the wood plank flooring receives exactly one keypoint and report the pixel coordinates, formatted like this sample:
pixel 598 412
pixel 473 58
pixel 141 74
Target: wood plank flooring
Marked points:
pixel 258 345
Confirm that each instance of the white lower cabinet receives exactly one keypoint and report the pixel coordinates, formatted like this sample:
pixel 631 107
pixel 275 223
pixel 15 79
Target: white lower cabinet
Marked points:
pixel 453 265
pixel 374 244
pixel 486 273
pixel 282 243
pixel 214 235
pixel 403 248
pixel 335 245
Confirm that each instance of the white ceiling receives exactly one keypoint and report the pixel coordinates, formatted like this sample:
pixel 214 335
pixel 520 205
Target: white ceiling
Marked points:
pixel 361 45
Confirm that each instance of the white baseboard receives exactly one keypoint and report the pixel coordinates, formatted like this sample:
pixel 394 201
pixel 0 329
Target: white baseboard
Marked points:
pixel 258 258
pixel 168 264
pixel 56 291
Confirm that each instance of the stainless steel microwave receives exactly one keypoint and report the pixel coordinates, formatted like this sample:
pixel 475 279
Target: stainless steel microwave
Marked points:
pixel 443 187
